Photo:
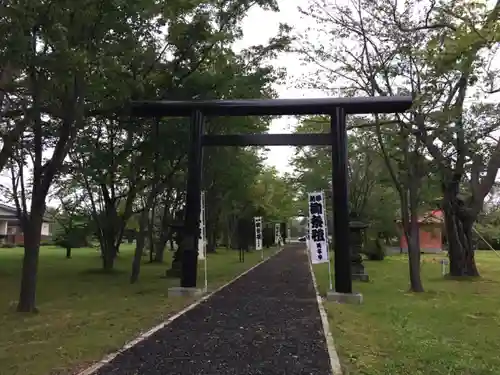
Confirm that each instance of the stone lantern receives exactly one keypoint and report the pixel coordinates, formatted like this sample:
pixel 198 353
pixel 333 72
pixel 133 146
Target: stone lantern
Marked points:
pixel 356 233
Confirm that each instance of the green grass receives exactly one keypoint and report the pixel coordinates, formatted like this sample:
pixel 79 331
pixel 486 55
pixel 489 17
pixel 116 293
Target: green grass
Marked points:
pixel 452 328
pixel 85 314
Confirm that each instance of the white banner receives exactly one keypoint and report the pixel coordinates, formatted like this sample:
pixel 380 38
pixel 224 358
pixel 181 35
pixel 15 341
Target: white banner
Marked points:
pixel 277 233
pixel 258 232
pixel 318 240
pixel 202 242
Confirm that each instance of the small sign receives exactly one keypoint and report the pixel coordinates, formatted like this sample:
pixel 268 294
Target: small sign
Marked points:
pixel 202 242
pixel 277 234
pixel 258 232
pixel 318 238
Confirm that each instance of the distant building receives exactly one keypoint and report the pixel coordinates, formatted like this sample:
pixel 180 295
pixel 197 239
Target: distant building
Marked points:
pixel 430 233
pixel 10 228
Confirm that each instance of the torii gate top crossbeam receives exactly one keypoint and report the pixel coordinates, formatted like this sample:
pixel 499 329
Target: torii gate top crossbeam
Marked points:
pixel 271 107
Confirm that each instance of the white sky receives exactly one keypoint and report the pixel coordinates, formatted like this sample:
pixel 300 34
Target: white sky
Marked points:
pixel 258 27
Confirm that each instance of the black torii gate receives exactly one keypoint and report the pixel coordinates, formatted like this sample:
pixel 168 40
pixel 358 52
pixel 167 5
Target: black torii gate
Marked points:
pixel 336 108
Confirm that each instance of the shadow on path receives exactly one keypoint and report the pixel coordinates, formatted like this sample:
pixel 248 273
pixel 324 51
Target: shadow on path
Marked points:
pixel 266 322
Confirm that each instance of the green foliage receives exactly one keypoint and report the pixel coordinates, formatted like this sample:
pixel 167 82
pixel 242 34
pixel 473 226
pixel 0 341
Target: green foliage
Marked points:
pixel 77 237
pixel 125 166
pixel 273 196
pixel 488 226
pixel 74 231
pixel 68 71
pixel 443 54
pixel 370 187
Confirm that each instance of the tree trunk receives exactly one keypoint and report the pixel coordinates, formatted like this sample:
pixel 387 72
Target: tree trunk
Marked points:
pixel 211 241
pixel 459 235
pixel 211 232
pixel 175 269
pixel 226 234
pixel 213 214
pixel 108 261
pixel 414 240
pixel 139 249
pixel 165 235
pixel 68 252
pixel 151 229
pixel 233 233
pixel 102 241
pixel 414 261
pixel 151 252
pixel 27 295
pixel 160 247
pixel 108 250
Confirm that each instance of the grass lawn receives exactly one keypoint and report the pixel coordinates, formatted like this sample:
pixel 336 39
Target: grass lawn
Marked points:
pixel 85 314
pixel 453 328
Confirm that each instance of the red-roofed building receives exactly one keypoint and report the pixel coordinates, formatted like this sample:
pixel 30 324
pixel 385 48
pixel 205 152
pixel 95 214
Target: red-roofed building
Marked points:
pixel 431 233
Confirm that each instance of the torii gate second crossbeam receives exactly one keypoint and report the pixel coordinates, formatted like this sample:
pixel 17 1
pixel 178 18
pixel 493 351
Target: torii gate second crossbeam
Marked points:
pixel 336 108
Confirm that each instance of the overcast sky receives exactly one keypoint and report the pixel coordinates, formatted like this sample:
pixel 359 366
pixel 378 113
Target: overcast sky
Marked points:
pixel 258 27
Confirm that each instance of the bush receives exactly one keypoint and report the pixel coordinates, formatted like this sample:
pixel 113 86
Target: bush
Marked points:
pixel 70 243
pixel 8 245
pixel 75 237
pixel 375 250
pixel 46 243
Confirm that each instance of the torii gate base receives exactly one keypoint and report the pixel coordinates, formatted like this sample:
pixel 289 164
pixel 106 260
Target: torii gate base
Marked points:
pixel 352 298
pixel 337 109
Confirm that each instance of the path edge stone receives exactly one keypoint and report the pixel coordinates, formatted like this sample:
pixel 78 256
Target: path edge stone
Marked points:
pixel 332 352
pixel 108 358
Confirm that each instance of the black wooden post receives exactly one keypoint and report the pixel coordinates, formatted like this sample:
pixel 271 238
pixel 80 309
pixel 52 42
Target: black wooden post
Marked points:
pixel 189 253
pixel 343 277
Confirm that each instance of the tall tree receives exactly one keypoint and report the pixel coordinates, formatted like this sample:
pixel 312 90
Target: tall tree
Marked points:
pixel 69 62
pixel 379 171
pixel 367 176
pixel 440 56
pixel 56 50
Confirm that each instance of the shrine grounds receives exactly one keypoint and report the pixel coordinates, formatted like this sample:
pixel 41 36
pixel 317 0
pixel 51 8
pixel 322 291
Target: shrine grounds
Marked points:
pixel 85 314
pixel 452 328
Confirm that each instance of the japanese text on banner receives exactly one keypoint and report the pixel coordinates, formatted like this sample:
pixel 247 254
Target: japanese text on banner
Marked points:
pixel 318 241
pixel 277 233
pixel 202 248
pixel 258 233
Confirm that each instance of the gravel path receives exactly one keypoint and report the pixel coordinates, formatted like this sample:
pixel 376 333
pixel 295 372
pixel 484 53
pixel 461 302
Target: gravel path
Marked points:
pixel 267 322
